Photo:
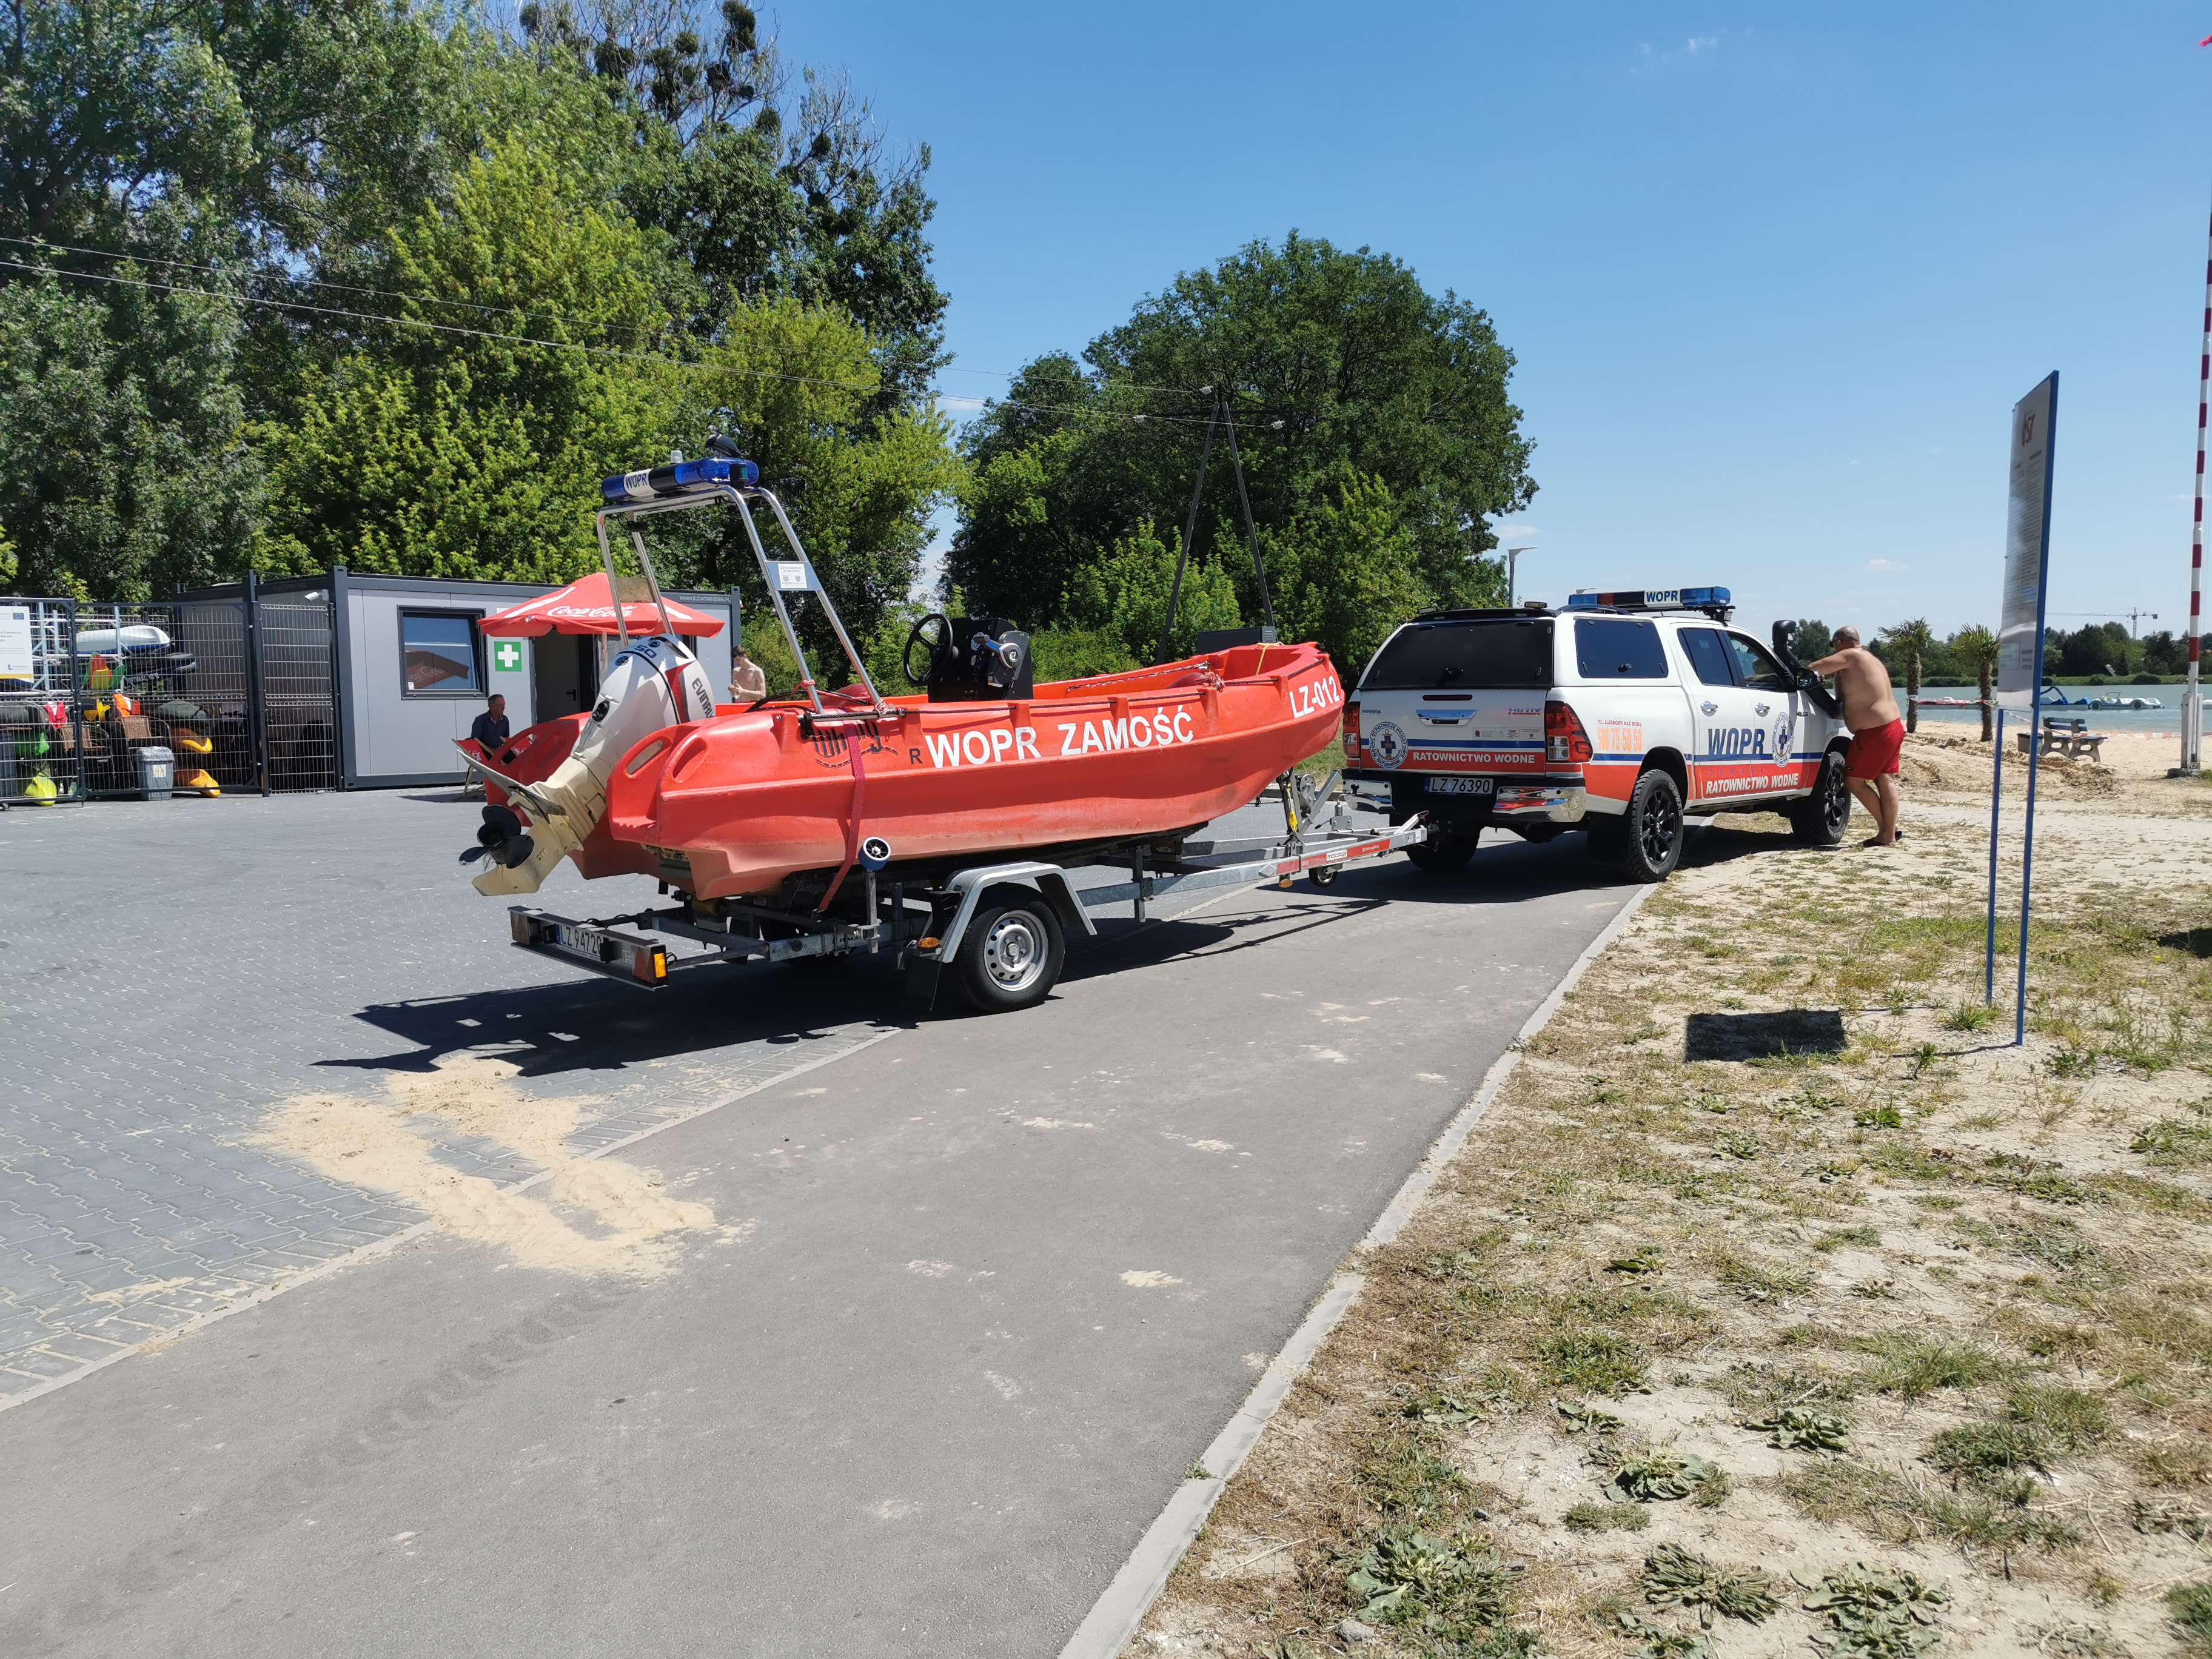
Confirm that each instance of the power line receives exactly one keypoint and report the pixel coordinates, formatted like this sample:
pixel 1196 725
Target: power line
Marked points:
pixel 475 306
pixel 610 352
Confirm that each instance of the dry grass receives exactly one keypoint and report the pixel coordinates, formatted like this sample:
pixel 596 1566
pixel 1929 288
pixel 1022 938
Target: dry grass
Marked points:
pixel 1915 1299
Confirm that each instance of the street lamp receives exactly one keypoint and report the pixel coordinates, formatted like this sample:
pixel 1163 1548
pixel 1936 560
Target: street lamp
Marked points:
pixel 1512 561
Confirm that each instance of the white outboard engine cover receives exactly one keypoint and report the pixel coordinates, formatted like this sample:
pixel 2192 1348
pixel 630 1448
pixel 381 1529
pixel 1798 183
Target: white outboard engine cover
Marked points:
pixel 654 683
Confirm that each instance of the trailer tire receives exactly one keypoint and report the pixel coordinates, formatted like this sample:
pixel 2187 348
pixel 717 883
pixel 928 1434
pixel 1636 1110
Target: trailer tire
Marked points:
pixel 1322 874
pixel 1011 954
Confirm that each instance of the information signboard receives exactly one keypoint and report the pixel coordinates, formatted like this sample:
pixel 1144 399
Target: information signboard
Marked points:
pixel 15 661
pixel 2028 547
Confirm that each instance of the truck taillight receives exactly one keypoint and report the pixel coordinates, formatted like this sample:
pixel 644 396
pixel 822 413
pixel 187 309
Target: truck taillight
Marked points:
pixel 1564 737
pixel 1352 732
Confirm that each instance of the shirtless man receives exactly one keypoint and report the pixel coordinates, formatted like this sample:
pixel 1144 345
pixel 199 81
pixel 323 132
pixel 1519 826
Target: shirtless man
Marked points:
pixel 1877 729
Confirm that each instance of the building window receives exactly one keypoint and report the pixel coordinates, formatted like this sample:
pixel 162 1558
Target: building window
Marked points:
pixel 440 654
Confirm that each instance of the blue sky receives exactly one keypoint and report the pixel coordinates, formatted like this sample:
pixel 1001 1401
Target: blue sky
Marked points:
pixel 1774 274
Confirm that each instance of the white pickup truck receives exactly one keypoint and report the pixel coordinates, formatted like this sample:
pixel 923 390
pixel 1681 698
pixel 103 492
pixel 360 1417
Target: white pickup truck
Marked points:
pixel 1620 714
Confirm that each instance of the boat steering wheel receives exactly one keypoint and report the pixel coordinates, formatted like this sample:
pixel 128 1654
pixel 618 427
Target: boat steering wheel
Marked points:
pixel 933 643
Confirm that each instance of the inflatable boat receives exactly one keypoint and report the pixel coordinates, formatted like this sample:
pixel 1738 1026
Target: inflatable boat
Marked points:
pixel 779 802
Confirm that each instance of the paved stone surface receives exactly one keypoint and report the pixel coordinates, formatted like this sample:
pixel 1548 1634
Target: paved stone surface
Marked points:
pixel 1002 1279
pixel 170 971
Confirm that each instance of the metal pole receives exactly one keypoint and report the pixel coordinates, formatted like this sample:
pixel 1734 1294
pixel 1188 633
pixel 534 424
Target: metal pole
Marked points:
pixel 782 613
pixel 1251 533
pixel 829 610
pixel 2035 717
pixel 1189 530
pixel 256 715
pixel 79 784
pixel 1997 795
pixel 2192 701
pixel 2027 885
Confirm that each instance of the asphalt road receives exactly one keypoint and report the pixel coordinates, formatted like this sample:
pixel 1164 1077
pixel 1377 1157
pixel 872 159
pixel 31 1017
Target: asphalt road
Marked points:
pixel 918 1410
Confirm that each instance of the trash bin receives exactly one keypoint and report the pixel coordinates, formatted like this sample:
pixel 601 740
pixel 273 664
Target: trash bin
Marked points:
pixel 157 772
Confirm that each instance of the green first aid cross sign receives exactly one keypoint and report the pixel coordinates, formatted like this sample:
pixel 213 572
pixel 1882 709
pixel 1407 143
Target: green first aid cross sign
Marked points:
pixel 507 656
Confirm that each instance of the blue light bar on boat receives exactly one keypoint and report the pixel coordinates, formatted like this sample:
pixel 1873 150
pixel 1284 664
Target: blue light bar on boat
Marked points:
pixel 1651 598
pixel 678 478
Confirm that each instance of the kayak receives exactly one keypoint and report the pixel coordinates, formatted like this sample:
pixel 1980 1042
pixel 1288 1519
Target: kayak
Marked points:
pixel 745 801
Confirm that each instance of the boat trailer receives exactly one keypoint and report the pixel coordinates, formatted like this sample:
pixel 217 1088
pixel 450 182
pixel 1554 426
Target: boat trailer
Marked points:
pixel 930 926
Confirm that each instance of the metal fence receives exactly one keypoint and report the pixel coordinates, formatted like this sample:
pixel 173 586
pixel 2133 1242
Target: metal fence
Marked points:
pixel 239 691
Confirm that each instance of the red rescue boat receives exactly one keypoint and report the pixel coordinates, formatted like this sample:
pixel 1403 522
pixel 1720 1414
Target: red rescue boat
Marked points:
pixel 737 803
pixel 784 798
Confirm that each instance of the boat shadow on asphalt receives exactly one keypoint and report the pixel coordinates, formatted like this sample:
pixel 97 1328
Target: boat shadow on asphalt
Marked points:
pixel 587 1024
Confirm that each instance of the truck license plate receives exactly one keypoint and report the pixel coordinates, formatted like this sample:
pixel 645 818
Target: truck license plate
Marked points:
pixel 1461 786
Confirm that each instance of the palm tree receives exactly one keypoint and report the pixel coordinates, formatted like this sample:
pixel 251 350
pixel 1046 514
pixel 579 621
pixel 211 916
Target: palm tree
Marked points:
pixel 1977 646
pixel 1910 638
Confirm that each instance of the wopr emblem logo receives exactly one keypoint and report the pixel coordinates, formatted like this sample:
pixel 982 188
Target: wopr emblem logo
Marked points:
pixel 1386 745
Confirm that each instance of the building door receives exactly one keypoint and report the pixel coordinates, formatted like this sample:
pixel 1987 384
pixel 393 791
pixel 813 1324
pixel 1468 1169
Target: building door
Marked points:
pixel 561 674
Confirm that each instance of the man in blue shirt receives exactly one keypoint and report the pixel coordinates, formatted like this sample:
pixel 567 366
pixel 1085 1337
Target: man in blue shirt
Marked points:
pixel 490 732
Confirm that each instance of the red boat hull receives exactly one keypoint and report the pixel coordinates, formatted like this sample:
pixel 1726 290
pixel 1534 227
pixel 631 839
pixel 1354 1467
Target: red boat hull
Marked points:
pixel 737 803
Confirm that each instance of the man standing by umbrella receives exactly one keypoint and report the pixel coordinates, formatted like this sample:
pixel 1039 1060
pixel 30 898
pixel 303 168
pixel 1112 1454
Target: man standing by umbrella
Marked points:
pixel 748 680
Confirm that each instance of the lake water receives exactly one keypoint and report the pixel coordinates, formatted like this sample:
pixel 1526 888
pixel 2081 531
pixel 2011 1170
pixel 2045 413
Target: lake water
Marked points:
pixel 2144 722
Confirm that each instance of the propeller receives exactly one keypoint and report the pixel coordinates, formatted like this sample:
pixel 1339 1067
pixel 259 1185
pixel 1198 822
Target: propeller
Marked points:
pixel 503 837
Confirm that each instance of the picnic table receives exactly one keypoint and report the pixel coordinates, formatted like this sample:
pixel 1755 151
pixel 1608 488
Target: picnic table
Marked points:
pixel 2064 736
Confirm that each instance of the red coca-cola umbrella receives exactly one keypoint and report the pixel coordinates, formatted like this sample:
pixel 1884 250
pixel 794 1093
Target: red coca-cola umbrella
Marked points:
pixel 585 607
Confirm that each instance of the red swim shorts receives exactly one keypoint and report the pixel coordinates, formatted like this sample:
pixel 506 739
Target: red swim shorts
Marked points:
pixel 1874 751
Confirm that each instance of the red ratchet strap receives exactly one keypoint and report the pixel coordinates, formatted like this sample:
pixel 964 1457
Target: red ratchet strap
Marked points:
pixel 852 824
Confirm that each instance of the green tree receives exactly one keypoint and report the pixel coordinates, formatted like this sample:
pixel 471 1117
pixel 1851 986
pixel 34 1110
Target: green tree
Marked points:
pixel 1814 640
pixel 2166 652
pixel 1976 648
pixel 799 386
pixel 124 469
pixel 481 457
pixel 1339 366
pixel 767 185
pixel 1345 571
pixel 2105 649
pixel 1124 596
pixel 1906 642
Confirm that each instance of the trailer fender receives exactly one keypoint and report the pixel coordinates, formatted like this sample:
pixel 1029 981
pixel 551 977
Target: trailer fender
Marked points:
pixel 1048 879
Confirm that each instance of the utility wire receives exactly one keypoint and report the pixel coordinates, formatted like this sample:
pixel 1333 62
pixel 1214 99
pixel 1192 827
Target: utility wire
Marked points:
pixel 465 305
pixel 610 352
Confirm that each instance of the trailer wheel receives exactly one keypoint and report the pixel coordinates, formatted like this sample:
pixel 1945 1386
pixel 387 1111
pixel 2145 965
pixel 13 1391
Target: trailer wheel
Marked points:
pixel 1011 954
pixel 1322 874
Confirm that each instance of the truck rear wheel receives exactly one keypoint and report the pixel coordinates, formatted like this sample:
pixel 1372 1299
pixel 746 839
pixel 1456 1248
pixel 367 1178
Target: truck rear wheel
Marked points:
pixel 1011 954
pixel 1441 857
pixel 1653 829
pixel 1821 818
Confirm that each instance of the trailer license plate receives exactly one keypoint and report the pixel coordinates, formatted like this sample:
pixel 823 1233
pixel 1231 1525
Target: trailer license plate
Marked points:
pixel 1461 786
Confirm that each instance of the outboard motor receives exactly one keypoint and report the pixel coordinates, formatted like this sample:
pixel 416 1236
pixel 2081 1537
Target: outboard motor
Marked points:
pixel 1807 681
pixel 654 683
pixel 970 658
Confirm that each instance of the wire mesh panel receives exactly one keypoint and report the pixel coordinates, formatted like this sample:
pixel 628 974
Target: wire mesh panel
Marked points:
pixel 210 713
pixel 161 677
pixel 40 742
pixel 107 683
pixel 300 715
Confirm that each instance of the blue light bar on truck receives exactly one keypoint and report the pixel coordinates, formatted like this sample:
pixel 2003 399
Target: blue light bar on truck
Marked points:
pixel 1651 598
pixel 678 478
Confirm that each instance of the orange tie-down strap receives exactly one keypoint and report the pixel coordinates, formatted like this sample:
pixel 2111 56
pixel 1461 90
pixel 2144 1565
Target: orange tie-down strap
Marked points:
pixel 851 824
